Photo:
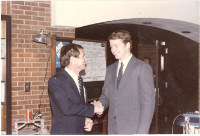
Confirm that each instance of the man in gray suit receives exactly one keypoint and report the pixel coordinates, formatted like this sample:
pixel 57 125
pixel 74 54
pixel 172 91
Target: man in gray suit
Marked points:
pixel 128 89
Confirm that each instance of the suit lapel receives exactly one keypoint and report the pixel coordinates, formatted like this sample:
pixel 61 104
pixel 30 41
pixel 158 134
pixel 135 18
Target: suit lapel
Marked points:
pixel 114 74
pixel 71 81
pixel 127 71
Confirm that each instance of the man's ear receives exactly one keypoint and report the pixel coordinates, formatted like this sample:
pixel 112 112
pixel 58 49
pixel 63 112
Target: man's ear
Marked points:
pixel 128 45
pixel 71 59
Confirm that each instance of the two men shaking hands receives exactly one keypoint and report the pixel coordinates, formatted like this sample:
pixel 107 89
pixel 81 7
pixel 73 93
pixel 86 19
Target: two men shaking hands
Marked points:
pixel 98 109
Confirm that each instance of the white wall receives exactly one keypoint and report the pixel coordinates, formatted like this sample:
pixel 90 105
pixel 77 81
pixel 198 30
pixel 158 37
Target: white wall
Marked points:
pixel 77 13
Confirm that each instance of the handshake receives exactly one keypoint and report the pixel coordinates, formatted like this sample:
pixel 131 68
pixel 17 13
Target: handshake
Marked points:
pixel 98 107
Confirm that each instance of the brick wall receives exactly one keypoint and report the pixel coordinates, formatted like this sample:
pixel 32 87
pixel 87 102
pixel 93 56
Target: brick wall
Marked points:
pixel 29 59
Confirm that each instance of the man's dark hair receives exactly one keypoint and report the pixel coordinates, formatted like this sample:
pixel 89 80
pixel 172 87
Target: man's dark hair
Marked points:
pixel 68 51
pixel 124 35
pixel 147 58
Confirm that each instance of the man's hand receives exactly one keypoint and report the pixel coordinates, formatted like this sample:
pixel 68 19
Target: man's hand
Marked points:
pixel 98 107
pixel 88 124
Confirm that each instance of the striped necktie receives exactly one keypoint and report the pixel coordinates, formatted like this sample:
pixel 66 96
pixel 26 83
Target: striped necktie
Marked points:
pixel 120 73
pixel 80 82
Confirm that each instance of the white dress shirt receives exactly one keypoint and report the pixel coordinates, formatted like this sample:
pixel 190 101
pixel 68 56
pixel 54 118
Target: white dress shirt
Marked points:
pixel 75 78
pixel 125 63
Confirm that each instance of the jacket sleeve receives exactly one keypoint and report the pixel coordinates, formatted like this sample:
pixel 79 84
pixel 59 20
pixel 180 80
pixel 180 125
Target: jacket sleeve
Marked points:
pixel 147 98
pixel 104 95
pixel 64 103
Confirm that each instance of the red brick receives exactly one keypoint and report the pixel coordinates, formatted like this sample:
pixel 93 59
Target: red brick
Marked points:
pixel 30 31
pixel 20 83
pixel 3 7
pixel 22 111
pixel 37 83
pixel 24 45
pixel 36 28
pixel 37 45
pixel 24 17
pixel 39 18
pixel 18 117
pixel 48 19
pixel 17 98
pixel 44 51
pixel 14 46
pixel 44 14
pixel 14 6
pixel 32 97
pixel 39 55
pixel 31 60
pixel 24 7
pixel 22 92
pixel 30 106
pixel 44 5
pixel 14 35
pixel 17 50
pixel 16 107
pixel 31 69
pixel 48 10
pixel 18 31
pixel 38 65
pixel 31 22
pixel 28 40
pixel 14 26
pixel 31 13
pixel 13 64
pixel 24 55
pixel 35 101
pixel 14 74
pixel 17 78
pixel 38 9
pixel 18 41
pixel 18 2
pixel 17 11
pixel 38 73
pixel 32 3
pixel 17 69
pixel 14 84
pixel 18 21
pixel 25 36
pixel 8 7
pixel 31 78
pixel 31 50
pixel 45 23
pixel 43 60
pixel 24 74
pixel 14 112
pixel 24 64
pixel 18 59
pixel 17 88
pixel 24 102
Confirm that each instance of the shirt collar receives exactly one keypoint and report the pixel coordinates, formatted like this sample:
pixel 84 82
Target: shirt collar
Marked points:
pixel 125 62
pixel 72 74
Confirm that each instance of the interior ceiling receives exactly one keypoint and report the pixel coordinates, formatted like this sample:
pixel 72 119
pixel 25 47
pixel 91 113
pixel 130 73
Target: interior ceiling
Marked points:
pixel 185 29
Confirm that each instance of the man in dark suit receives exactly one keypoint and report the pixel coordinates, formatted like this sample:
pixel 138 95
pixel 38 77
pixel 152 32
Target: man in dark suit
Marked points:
pixel 128 89
pixel 68 96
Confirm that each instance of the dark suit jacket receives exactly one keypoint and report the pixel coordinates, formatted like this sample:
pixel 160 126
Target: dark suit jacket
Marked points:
pixel 131 106
pixel 69 110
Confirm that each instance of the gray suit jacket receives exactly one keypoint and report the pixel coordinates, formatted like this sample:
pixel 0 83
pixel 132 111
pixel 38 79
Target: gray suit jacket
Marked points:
pixel 131 106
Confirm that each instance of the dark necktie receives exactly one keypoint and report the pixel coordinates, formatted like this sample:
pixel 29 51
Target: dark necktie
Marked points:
pixel 120 73
pixel 80 82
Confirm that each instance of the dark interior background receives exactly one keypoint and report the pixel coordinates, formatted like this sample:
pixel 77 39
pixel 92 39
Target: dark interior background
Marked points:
pixel 182 64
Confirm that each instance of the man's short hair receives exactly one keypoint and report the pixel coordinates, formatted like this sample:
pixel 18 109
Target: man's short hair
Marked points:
pixel 68 51
pixel 124 35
